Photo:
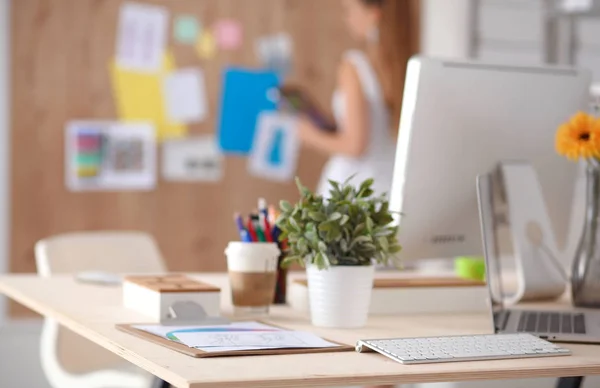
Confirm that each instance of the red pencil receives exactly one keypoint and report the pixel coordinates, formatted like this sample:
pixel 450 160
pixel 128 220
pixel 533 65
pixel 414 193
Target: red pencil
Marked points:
pixel 251 230
pixel 265 224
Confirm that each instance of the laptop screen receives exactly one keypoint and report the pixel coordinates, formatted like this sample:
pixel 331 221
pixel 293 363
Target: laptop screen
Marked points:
pixel 492 261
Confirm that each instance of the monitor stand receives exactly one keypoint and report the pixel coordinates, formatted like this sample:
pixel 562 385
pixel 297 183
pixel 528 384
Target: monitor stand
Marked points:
pixel 518 203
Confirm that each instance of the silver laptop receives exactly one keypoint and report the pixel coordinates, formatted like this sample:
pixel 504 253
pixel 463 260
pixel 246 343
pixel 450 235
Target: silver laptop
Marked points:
pixel 555 325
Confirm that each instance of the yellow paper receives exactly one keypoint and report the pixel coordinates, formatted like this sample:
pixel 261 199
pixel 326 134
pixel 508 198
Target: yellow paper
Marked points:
pixel 139 96
pixel 206 47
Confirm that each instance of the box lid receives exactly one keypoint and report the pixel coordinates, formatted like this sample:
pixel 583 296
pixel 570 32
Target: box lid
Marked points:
pixel 418 282
pixel 171 283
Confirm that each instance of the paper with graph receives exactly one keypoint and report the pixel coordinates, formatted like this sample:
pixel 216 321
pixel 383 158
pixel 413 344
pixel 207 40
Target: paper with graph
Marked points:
pixel 238 336
pixel 217 342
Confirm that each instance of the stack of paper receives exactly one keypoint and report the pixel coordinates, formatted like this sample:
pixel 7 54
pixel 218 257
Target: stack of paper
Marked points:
pixel 237 336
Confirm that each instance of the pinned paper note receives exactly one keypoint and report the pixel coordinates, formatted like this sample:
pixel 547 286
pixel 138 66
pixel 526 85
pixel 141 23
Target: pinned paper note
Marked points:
pixel 246 94
pixel 206 47
pixel 276 147
pixel 275 52
pixel 139 97
pixel 229 34
pixel 141 37
pixel 185 96
pixel 195 159
pixel 110 156
pixel 186 29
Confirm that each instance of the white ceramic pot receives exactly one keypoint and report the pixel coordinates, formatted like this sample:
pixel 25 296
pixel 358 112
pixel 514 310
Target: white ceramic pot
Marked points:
pixel 340 296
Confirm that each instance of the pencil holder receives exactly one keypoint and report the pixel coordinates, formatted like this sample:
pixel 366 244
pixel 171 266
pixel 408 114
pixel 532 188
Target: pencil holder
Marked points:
pixel 281 283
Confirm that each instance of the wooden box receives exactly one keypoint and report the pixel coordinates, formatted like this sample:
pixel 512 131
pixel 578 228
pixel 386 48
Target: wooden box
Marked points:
pixel 154 295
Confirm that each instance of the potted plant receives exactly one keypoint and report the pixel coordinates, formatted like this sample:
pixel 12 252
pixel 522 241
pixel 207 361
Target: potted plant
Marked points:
pixel 339 240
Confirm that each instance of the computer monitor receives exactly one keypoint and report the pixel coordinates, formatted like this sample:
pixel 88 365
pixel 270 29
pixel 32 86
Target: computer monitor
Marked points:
pixel 459 120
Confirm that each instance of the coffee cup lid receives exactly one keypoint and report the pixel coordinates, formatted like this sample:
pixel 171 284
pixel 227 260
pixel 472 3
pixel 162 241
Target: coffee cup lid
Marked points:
pixel 236 247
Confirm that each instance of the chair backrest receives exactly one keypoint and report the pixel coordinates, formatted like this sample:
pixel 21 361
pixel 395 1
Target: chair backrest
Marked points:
pixel 107 251
pixel 119 252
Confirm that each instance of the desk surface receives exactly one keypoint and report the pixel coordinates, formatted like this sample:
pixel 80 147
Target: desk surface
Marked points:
pixel 92 311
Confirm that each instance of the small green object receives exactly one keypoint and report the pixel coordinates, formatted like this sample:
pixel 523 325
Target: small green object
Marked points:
pixel 472 268
pixel 187 29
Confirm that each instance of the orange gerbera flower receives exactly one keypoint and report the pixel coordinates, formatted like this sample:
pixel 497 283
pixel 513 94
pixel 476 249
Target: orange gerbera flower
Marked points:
pixel 579 138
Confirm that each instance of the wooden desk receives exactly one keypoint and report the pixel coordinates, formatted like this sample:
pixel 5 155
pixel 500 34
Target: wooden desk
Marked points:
pixel 92 311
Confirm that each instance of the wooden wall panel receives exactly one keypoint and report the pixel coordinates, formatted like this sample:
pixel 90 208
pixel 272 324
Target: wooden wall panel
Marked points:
pixel 60 55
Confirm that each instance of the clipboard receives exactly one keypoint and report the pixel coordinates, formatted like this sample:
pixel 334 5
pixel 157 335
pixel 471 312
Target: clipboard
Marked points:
pixel 182 315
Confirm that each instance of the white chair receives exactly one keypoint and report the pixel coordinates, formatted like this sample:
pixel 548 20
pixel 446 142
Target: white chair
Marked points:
pixel 69 360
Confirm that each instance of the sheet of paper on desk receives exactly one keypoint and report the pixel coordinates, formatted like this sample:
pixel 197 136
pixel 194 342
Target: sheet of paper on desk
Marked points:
pixel 251 340
pixel 173 332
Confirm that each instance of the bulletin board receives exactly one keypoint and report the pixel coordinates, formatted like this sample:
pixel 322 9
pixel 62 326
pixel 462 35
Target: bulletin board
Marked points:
pixel 61 52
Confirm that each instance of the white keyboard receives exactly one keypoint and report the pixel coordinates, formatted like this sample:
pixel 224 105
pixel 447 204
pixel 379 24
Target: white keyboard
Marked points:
pixel 462 348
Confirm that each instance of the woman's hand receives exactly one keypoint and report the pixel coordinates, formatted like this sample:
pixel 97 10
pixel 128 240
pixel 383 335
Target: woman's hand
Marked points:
pixel 351 140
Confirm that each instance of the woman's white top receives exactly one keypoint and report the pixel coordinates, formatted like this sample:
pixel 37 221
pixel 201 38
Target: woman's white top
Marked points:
pixel 378 160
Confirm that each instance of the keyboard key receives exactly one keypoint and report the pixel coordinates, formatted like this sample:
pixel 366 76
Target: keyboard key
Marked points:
pixel 531 324
pixel 566 326
pixel 579 324
pixel 543 323
pixel 554 323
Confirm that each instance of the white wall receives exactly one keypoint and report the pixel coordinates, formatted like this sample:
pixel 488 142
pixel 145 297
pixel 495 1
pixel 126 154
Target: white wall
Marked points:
pixel 446 28
pixel 4 142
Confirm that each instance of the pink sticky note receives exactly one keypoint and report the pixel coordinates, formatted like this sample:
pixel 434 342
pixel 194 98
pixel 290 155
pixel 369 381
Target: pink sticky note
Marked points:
pixel 229 34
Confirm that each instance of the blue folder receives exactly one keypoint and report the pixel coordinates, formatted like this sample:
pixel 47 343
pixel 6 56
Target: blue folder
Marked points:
pixel 246 93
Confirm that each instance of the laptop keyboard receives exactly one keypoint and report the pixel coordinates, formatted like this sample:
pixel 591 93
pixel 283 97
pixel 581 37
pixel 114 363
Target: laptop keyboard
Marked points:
pixel 545 322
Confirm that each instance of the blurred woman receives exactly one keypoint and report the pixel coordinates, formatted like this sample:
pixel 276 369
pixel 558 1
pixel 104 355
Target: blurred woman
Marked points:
pixel 368 99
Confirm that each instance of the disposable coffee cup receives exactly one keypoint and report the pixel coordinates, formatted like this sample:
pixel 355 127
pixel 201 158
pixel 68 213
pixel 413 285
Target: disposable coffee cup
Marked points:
pixel 252 271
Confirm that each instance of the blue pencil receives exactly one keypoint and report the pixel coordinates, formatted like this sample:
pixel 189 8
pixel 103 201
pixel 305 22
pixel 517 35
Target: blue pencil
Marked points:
pixel 244 235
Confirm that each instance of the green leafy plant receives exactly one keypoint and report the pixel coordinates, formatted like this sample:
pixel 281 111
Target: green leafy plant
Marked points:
pixel 351 228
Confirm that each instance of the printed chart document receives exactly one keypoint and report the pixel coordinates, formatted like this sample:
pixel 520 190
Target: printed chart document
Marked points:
pixel 237 336
pixel 218 342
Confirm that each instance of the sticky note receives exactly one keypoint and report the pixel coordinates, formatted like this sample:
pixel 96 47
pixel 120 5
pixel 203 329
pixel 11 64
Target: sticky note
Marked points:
pixel 246 94
pixel 185 95
pixel 206 47
pixel 229 34
pixel 139 97
pixel 186 29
